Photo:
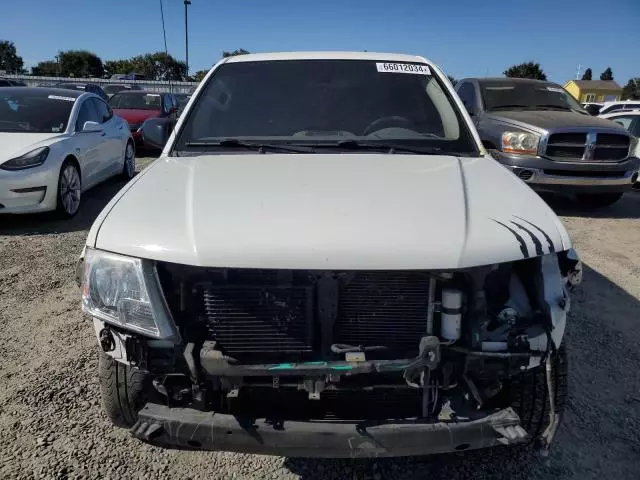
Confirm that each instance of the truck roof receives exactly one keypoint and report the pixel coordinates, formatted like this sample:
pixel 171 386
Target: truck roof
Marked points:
pixel 263 57
pixel 505 80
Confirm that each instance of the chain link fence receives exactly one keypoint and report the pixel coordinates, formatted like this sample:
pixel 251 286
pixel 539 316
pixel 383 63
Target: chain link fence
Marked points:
pixel 147 85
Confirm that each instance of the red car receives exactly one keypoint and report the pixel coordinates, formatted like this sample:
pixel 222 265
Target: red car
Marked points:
pixel 136 106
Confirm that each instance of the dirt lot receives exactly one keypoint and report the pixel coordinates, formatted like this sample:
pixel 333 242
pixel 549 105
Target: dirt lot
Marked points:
pixel 52 426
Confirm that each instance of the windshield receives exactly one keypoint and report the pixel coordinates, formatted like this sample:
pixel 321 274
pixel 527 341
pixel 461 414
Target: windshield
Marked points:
pixel 34 110
pixel 136 100
pixel 503 95
pixel 322 102
pixel 182 99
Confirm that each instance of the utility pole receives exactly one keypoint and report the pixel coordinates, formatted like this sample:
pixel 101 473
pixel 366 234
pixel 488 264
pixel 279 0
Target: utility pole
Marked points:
pixel 186 34
pixel 578 72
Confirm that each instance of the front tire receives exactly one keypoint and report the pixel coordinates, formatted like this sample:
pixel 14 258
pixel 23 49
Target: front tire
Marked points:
pixel 69 190
pixel 598 200
pixel 124 390
pixel 530 397
pixel 129 166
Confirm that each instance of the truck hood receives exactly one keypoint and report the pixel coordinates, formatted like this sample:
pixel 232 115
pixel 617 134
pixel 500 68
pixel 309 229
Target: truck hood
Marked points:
pixel 14 144
pixel 549 119
pixel 344 212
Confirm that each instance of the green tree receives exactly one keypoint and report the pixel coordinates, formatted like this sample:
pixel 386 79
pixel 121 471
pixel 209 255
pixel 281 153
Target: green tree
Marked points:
pixel 199 75
pixel 588 74
pixel 159 66
pixel 607 74
pixel 526 70
pixel 9 58
pixel 48 68
pixel 631 90
pixel 240 51
pixel 80 63
pixel 154 66
pixel 112 67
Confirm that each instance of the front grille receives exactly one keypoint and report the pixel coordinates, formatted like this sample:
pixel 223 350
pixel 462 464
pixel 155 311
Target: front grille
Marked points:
pixel 270 316
pixel 383 308
pixel 566 145
pixel 259 316
pixel 611 147
pixel 572 146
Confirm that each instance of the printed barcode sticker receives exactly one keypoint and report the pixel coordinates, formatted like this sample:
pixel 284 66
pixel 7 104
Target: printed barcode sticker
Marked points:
pixel 58 97
pixel 412 68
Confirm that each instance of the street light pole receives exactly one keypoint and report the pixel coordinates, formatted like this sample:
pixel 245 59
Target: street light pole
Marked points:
pixel 186 33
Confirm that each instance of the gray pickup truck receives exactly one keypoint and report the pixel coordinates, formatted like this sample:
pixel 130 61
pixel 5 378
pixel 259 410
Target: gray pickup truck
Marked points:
pixel 544 136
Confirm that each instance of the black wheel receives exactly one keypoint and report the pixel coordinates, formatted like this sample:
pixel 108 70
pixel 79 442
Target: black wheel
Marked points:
pixel 598 201
pixel 129 166
pixel 530 397
pixel 124 390
pixel 69 189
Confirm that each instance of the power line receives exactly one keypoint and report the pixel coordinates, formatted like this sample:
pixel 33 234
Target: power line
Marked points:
pixel 164 32
pixel 164 35
pixel 186 34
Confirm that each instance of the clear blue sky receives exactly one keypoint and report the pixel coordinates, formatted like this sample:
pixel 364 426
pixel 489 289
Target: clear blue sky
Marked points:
pixel 465 37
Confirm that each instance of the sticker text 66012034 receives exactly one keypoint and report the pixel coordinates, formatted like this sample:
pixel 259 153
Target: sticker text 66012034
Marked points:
pixel 412 68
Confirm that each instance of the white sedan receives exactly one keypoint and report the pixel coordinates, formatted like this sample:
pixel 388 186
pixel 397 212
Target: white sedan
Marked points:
pixel 56 144
pixel 629 119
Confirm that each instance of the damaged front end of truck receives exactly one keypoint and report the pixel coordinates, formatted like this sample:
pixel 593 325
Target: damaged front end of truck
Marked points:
pixel 336 363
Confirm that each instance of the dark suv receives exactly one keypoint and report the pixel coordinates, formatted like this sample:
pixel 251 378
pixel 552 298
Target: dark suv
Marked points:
pixel 87 87
pixel 537 130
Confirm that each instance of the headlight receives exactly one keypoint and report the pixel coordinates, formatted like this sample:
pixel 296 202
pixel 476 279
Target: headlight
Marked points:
pixel 520 142
pixel 115 290
pixel 28 160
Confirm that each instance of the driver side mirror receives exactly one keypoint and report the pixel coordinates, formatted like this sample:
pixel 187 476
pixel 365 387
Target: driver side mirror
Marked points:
pixel 155 132
pixel 91 127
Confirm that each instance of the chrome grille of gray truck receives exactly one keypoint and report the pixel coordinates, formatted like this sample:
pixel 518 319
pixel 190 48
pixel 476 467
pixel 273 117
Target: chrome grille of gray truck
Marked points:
pixel 587 147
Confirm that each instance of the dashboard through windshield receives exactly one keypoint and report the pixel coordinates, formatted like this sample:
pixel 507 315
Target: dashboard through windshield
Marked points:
pixel 323 102
pixel 507 95
pixel 32 110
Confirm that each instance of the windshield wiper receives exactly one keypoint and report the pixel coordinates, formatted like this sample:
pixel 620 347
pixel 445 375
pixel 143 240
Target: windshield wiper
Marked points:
pixel 560 107
pixel 557 107
pixel 261 147
pixel 390 148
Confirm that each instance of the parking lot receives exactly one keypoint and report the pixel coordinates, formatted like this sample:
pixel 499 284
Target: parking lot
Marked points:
pixel 52 426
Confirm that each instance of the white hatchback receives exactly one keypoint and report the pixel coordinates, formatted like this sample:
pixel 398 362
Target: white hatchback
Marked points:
pixel 56 144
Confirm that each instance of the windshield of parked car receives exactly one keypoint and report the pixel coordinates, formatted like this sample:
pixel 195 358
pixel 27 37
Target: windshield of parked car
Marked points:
pixel 182 99
pixel 34 110
pixel 322 102
pixel 506 95
pixel 136 100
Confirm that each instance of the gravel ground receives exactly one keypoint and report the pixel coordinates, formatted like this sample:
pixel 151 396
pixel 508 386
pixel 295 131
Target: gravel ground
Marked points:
pixel 52 425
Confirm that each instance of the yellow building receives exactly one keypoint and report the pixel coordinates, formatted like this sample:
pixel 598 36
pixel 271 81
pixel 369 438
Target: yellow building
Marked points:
pixel 594 90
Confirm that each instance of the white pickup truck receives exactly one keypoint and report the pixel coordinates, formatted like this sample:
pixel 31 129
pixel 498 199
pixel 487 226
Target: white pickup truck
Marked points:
pixel 324 261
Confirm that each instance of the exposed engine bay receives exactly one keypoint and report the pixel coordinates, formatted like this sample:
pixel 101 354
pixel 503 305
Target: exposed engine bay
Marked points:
pixel 283 344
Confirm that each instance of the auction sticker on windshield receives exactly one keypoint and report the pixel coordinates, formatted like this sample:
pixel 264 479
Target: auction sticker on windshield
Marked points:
pixel 58 97
pixel 403 68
